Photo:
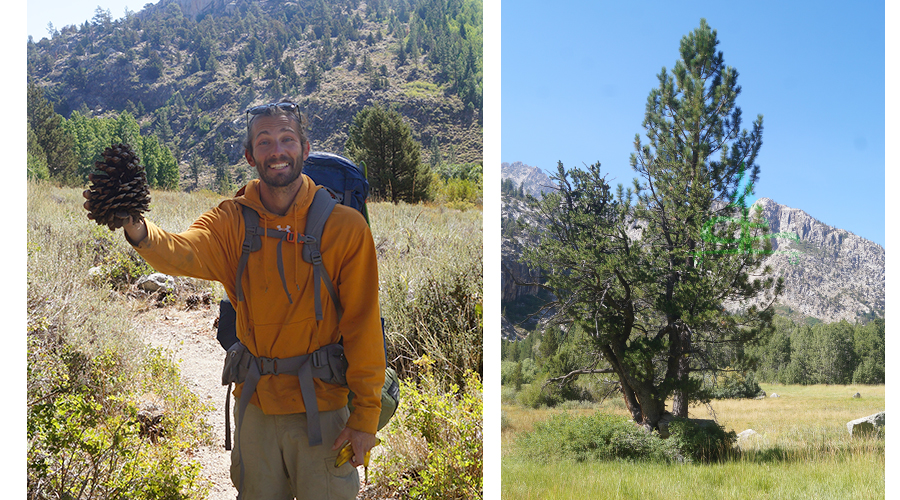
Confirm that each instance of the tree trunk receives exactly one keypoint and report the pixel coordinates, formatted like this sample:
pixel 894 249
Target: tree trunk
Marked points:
pixel 641 399
pixel 680 396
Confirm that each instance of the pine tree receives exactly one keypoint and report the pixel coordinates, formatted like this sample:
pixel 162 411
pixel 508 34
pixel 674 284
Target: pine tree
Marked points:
pixel 196 164
pixel 435 150
pixel 224 185
pixel 517 377
pixel 150 155
pixel 167 170
pixel 653 304
pixel 194 65
pixel 691 118
pixel 36 158
pixel 155 65
pixel 54 140
pixel 380 139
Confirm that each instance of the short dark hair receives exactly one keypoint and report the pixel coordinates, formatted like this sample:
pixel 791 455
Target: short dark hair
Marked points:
pixel 280 108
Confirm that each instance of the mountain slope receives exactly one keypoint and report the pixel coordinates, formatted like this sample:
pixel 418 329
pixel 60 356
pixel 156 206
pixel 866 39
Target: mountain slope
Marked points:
pixel 829 273
pixel 187 69
pixel 534 179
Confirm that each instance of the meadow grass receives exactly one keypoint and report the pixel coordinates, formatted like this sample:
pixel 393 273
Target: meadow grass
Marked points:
pixel 430 277
pixel 803 451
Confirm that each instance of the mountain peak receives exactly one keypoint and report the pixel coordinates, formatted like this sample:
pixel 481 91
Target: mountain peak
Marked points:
pixel 535 180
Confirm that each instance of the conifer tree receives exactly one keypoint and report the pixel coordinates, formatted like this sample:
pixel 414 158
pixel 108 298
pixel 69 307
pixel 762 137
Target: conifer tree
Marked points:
pixel 647 271
pixel 196 165
pixel 54 140
pixel 150 154
pixel 697 152
pixel 167 174
pixel 36 158
pixel 127 130
pixel 380 139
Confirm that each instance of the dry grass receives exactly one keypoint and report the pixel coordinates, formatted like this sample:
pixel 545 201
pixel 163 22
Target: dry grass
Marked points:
pixel 803 451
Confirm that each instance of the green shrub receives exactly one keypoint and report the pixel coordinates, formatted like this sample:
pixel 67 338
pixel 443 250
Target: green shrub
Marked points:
pixel 505 424
pixel 78 450
pixel 735 385
pixel 507 370
pixel 432 448
pixel 508 394
pixel 457 186
pixel 537 394
pixel 83 433
pixel 533 395
pixel 701 441
pixel 610 437
pixel 593 437
pixel 119 266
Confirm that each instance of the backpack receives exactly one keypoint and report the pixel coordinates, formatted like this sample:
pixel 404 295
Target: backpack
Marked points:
pixel 346 183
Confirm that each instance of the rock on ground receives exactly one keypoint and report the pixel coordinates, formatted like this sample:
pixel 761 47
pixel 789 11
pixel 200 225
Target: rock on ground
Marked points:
pixel 866 425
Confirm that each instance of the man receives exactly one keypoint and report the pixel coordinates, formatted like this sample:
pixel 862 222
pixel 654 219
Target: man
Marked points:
pixel 276 315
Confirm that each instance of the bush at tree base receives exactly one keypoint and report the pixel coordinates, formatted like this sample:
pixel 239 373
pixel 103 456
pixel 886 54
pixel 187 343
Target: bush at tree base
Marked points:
pixel 604 437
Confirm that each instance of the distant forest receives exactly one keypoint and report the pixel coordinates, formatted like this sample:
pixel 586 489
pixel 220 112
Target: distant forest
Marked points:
pixel 794 353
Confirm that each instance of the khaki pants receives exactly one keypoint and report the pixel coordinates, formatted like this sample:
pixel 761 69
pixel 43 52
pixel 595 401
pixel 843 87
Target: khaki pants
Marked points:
pixel 279 464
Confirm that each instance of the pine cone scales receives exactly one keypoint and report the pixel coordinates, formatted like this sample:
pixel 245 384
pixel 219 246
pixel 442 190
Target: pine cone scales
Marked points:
pixel 121 190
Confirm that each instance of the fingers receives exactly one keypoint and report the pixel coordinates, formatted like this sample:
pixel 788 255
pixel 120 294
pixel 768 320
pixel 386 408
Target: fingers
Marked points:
pixel 358 453
pixel 342 438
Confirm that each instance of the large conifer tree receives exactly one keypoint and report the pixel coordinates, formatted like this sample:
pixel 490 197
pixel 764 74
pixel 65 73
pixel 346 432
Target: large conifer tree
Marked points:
pixel 649 271
pixel 697 155
pixel 380 139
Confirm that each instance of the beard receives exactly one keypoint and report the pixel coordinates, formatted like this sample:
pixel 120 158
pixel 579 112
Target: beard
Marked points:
pixel 279 178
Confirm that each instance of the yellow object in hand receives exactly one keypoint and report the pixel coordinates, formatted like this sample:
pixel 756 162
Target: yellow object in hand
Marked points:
pixel 346 453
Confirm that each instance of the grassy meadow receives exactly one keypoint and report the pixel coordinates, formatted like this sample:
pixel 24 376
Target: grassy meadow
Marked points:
pixel 88 367
pixel 803 451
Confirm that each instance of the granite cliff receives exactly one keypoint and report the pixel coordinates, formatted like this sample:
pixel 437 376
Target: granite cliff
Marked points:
pixel 829 273
pixel 535 180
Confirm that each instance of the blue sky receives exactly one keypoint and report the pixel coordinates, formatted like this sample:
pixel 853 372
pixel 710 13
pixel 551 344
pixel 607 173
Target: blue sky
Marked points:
pixel 75 12
pixel 575 80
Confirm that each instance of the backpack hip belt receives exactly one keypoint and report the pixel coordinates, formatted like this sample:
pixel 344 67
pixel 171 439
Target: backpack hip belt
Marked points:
pixel 327 364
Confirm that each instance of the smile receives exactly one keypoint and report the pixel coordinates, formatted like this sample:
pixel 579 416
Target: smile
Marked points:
pixel 279 166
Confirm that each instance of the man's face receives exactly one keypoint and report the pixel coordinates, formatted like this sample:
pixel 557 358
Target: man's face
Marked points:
pixel 278 153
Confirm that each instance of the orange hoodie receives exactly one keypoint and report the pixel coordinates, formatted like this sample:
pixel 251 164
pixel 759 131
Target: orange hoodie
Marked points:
pixel 267 322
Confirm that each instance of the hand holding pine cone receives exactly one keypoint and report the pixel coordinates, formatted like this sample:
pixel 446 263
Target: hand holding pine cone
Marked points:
pixel 120 190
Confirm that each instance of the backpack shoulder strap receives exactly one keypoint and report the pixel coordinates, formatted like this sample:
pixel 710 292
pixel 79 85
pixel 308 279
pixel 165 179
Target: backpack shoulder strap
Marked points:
pixel 319 211
pixel 252 243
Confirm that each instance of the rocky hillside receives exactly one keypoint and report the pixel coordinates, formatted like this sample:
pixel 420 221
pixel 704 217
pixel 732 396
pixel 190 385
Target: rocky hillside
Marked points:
pixel 535 180
pixel 514 211
pixel 830 274
pixel 187 69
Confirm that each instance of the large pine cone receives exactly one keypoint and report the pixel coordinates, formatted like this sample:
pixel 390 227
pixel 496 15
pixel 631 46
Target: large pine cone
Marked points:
pixel 120 189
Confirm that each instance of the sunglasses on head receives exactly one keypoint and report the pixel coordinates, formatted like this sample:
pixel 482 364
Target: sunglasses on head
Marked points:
pixel 263 109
